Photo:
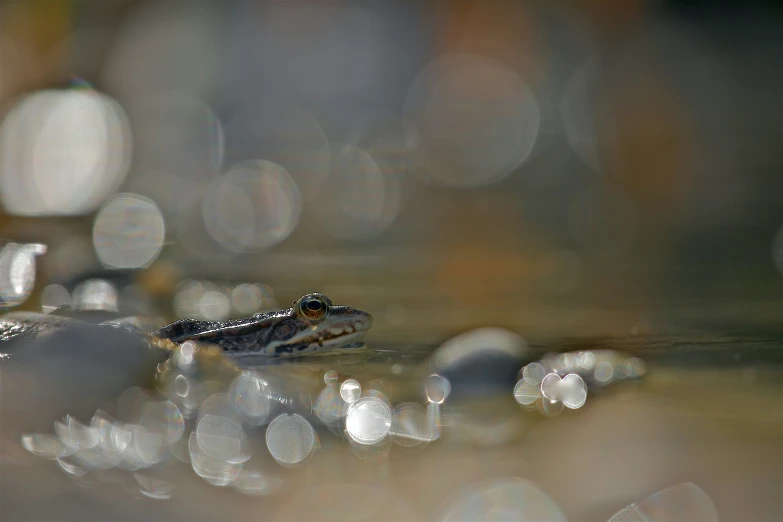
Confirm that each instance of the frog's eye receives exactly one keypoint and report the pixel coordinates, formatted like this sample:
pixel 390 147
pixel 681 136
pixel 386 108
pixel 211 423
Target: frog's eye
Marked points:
pixel 313 306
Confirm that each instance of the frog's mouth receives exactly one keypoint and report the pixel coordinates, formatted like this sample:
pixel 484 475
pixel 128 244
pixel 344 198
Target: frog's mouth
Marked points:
pixel 349 335
pixel 344 330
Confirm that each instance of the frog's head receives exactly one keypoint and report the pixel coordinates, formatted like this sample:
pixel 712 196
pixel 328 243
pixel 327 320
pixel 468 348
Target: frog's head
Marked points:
pixel 315 324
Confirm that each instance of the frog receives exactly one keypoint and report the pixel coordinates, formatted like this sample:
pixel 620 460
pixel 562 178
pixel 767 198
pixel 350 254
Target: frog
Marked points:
pixel 313 324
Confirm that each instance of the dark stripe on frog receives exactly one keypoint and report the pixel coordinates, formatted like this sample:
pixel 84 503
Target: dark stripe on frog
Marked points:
pixel 239 334
pixel 290 348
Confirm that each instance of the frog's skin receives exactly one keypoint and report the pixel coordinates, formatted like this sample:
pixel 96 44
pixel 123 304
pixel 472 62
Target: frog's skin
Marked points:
pixel 313 324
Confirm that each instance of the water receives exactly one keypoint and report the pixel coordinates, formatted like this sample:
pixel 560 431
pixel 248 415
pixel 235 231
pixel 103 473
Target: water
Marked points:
pixel 381 433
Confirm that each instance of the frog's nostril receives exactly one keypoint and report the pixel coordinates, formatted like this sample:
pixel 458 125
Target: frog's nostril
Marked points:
pixel 363 321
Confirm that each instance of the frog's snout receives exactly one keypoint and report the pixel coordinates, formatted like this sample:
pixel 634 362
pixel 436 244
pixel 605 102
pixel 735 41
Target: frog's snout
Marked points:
pixel 364 320
pixel 358 320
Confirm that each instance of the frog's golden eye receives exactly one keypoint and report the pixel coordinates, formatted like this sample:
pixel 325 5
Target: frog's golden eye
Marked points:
pixel 313 306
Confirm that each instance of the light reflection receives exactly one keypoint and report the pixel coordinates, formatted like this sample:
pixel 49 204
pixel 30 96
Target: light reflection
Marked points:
pixel 534 372
pixel 219 431
pixel 331 377
pixel 74 434
pixel 286 134
pixel 105 443
pixel 635 367
pixel 214 306
pixel 391 141
pixel 435 421
pixel 71 469
pixel 17 271
pixel 153 488
pixel 550 387
pixel 604 371
pixel 249 298
pixel 329 406
pixel 257 483
pixel 129 232
pixel 206 300
pixel 45 446
pixel 253 206
pixel 350 390
pixel 467 347
pixel 252 397
pixel 62 153
pixel 148 446
pixel 290 439
pixel 587 360
pixel 216 471
pixel 477 119
pixel 163 418
pixel 218 447
pixel 180 147
pixel 548 407
pixel 186 298
pixel 573 391
pixel 357 201
pixel 437 388
pixel 221 438
pixel 368 420
pixel 95 294
pixel 527 392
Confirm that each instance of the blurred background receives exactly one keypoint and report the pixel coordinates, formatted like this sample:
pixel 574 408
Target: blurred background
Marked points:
pixel 568 169
pixel 576 167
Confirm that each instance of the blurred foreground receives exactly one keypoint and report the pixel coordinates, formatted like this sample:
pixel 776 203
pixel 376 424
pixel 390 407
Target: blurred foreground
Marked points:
pixel 369 435
pixel 600 179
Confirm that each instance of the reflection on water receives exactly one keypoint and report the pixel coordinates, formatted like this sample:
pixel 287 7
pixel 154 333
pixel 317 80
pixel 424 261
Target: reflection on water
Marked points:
pixel 567 193
pixel 262 430
pixel 17 271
